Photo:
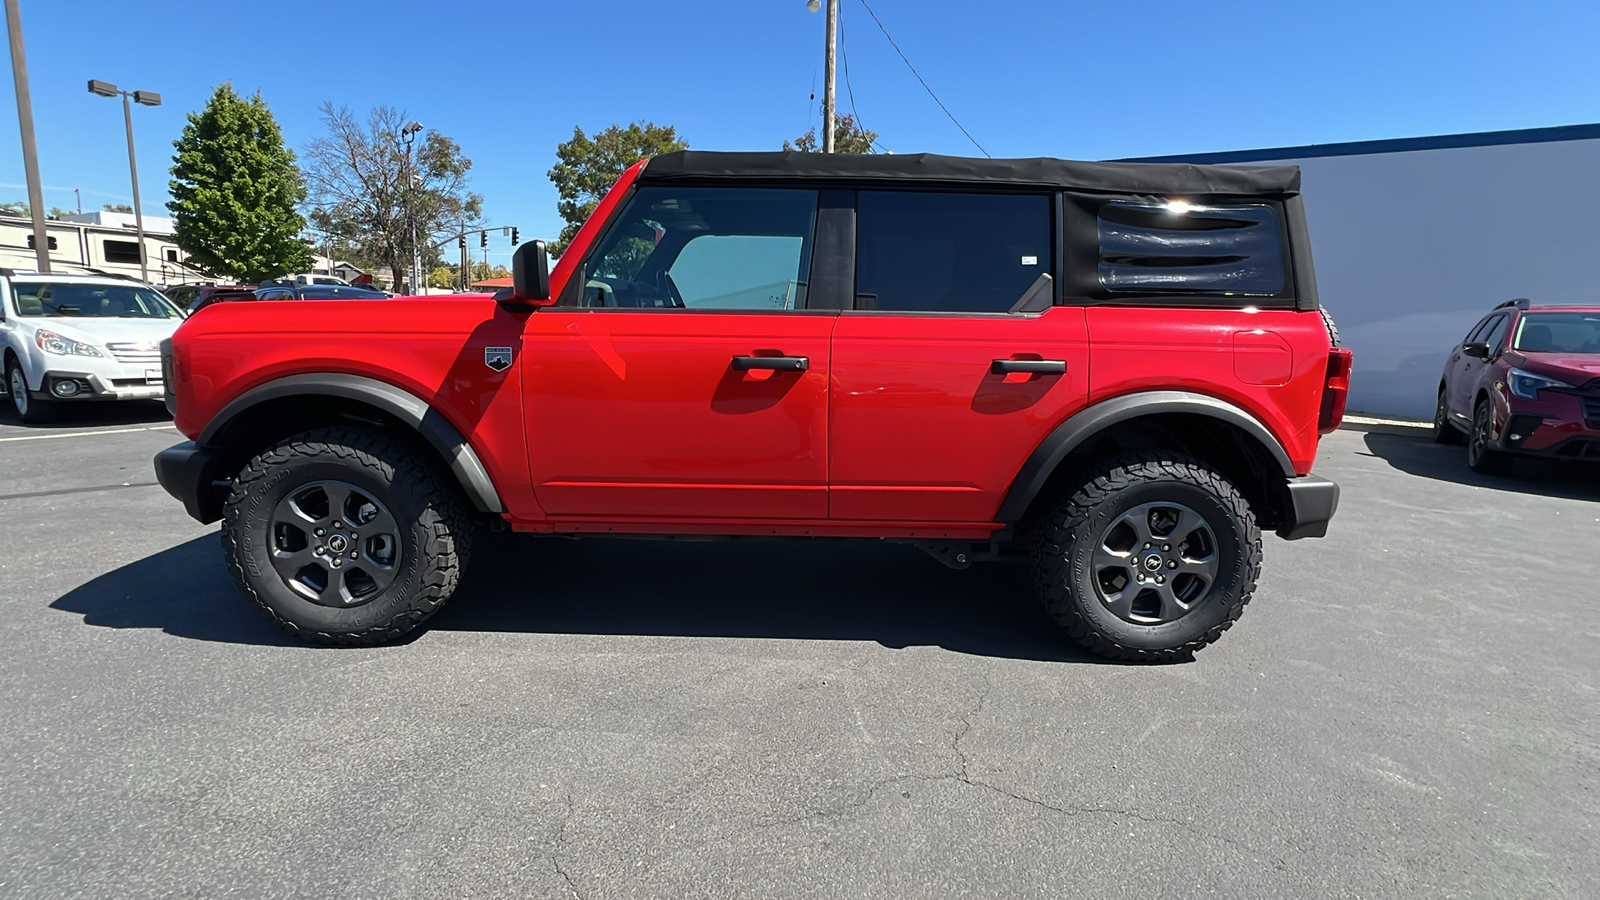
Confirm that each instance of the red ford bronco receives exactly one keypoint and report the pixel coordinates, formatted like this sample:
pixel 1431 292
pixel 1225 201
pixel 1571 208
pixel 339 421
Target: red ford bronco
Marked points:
pixel 1119 370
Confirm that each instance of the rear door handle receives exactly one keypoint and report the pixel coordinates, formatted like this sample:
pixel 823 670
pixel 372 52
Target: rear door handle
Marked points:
pixel 776 363
pixel 1032 366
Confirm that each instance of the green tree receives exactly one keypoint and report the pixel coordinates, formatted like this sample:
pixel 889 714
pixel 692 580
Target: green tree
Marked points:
pixel 118 208
pixel 365 189
pixel 588 168
pixel 235 188
pixel 848 137
pixel 18 208
pixel 57 212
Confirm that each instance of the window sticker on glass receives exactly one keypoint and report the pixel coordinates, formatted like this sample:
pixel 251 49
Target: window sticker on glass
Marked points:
pixel 1030 260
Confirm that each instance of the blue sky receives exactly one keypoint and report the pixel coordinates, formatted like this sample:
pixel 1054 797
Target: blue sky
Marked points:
pixel 509 80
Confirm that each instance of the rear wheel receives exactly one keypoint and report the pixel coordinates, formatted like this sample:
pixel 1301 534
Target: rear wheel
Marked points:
pixel 1443 431
pixel 30 410
pixel 1481 455
pixel 1150 559
pixel 344 536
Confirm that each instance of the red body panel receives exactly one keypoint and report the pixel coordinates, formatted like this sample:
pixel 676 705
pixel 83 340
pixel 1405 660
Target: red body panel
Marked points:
pixel 922 430
pixel 432 347
pixel 639 413
pixel 1219 352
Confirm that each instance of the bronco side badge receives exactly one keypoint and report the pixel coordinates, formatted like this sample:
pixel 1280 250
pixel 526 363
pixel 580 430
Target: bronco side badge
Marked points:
pixel 497 358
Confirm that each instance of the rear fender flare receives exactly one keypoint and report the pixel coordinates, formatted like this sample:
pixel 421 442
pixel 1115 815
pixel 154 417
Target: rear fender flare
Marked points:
pixel 1069 435
pixel 428 422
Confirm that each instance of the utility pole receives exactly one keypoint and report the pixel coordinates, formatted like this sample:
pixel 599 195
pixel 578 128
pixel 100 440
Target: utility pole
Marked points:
pixel 408 134
pixel 827 83
pixel 30 155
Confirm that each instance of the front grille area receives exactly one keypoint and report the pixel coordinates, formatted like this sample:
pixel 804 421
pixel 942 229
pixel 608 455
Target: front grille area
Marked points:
pixel 1591 410
pixel 142 352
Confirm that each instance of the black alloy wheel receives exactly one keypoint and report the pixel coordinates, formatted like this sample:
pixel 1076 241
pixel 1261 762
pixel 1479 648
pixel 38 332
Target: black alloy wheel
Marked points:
pixel 1481 455
pixel 1155 563
pixel 334 544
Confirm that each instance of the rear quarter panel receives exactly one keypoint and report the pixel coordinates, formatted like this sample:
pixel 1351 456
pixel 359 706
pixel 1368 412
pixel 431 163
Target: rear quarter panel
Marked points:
pixel 1271 363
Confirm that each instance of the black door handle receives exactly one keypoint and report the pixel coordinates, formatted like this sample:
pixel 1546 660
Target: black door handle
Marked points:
pixel 1032 366
pixel 777 363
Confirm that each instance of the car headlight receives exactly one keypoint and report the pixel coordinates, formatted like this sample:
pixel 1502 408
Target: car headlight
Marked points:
pixel 1528 385
pixel 50 342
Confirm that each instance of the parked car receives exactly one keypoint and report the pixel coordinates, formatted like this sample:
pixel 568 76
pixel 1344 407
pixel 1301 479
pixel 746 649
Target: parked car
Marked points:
pixel 304 280
pixel 74 338
pixel 317 292
pixel 194 297
pixel 1119 371
pixel 1525 381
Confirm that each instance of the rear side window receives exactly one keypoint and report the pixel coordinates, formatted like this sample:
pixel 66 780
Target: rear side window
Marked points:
pixel 1496 332
pixel 956 253
pixel 1178 248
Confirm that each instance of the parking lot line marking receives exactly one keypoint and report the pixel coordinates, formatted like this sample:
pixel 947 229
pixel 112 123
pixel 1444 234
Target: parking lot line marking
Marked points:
pixel 82 490
pixel 47 437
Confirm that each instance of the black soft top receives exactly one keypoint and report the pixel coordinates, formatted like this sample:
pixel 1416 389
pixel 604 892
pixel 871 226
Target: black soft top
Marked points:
pixel 932 169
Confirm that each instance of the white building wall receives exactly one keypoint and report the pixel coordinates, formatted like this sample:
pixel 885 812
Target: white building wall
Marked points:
pixel 1414 247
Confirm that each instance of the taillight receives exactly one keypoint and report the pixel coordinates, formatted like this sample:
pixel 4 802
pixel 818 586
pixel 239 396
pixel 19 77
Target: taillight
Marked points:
pixel 1335 390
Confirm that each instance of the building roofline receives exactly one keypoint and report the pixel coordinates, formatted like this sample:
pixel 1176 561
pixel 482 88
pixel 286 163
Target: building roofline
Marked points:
pixel 1395 145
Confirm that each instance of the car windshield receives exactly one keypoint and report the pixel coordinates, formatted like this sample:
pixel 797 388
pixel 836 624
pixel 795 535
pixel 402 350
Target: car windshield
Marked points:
pixel 1564 332
pixel 100 301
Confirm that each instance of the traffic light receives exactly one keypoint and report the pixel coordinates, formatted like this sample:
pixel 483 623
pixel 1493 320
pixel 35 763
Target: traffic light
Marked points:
pixel 513 236
pixel 463 242
pixel 483 239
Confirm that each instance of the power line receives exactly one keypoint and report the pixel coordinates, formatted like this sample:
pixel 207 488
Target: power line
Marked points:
pixel 919 79
pixel 844 56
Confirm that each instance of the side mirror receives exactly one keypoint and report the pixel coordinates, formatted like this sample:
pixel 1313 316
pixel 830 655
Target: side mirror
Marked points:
pixel 1476 351
pixel 530 278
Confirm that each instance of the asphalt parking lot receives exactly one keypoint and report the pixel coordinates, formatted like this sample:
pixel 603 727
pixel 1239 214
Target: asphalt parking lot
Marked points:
pixel 1409 708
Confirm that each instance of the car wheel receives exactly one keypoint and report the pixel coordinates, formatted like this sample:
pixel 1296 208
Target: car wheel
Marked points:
pixel 31 410
pixel 345 536
pixel 1443 431
pixel 1150 559
pixel 1481 455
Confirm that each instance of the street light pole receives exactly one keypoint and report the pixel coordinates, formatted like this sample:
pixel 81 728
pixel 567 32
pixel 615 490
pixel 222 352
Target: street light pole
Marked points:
pixel 143 98
pixel 30 155
pixel 408 134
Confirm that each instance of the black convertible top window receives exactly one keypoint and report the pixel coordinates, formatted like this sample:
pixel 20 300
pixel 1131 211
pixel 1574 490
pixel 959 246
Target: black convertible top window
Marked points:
pixel 931 169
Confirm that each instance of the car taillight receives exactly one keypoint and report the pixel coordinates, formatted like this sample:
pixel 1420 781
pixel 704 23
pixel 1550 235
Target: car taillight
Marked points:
pixel 1335 390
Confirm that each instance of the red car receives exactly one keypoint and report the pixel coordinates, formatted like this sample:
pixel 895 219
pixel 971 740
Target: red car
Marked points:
pixel 1117 370
pixel 1524 381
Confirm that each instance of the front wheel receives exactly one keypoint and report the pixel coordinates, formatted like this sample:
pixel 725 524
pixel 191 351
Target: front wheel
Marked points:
pixel 345 536
pixel 1150 559
pixel 31 410
pixel 1481 455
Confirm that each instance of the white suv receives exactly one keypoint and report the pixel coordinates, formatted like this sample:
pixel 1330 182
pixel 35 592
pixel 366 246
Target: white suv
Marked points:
pixel 66 338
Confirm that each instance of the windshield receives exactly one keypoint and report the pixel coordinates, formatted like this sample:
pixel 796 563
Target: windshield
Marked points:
pixel 1567 332
pixel 86 301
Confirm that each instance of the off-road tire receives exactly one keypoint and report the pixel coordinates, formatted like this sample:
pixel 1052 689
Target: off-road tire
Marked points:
pixel 1481 457
pixel 31 410
pixel 1443 431
pixel 1333 330
pixel 1077 520
pixel 434 528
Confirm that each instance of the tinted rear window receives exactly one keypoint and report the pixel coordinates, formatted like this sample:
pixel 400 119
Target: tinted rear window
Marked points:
pixel 1176 248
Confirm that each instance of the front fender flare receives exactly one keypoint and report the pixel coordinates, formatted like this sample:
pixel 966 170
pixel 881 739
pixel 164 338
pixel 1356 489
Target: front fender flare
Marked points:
pixel 428 422
pixel 1074 431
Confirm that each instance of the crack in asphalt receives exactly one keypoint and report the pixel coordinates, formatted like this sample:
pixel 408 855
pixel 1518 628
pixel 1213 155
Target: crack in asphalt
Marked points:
pixel 966 725
pixel 561 838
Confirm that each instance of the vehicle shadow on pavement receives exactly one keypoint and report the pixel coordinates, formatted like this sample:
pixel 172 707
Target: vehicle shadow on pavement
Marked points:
pixel 1546 477
pixel 892 594
pixel 183 590
pixel 93 414
pixel 788 590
